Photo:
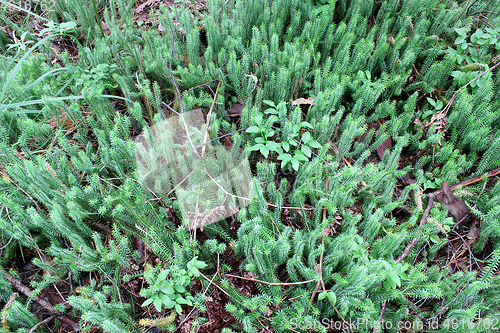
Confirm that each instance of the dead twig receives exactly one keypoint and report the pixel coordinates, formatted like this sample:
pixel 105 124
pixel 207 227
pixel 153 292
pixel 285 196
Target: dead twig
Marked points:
pixel 432 196
pixel 28 293
pixel 205 136
pixel 448 105
pixel 43 322
pixel 271 283
pixel 174 83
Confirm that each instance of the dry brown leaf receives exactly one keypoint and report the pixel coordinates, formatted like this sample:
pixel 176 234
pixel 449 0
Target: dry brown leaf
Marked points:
pixel 457 207
pixel 235 110
pixel 141 7
pixel 300 101
pixel 473 233
pixel 383 147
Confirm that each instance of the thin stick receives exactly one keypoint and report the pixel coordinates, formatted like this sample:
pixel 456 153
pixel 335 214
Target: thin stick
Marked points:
pixel 271 283
pixel 222 136
pixel 215 285
pixel 193 88
pixel 172 190
pixel 174 83
pixel 43 322
pixel 28 293
pixel 421 224
pixel 205 136
pixel 432 195
pixel 448 106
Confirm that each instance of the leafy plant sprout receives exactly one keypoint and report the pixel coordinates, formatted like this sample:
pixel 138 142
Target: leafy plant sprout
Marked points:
pixel 265 130
pixel 169 287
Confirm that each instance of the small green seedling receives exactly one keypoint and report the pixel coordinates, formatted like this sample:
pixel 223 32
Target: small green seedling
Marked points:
pixel 437 106
pixel 397 272
pixel 169 287
pixel 330 294
pixel 448 223
pixel 264 130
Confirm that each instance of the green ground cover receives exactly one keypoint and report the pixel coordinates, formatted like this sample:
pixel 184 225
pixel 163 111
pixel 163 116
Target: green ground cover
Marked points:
pixel 352 115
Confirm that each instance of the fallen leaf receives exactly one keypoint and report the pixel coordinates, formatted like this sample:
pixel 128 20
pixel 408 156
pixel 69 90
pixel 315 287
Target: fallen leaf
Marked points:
pixel 457 207
pixel 383 147
pixel 300 101
pixel 141 7
pixel 473 233
pixel 235 110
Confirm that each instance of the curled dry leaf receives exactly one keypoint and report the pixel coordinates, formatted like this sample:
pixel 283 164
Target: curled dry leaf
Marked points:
pixel 473 233
pixel 383 147
pixel 440 120
pixel 235 110
pixel 457 207
pixel 141 7
pixel 300 101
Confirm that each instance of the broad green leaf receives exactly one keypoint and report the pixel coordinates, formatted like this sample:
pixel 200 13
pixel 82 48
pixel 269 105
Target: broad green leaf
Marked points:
pixel 306 151
pixel 431 101
pixel 178 308
pixel 180 288
pixel 459 40
pixel 194 271
pixel 305 137
pixel 163 274
pixel 264 151
pixel 256 147
pixel 321 295
pixel 253 129
pixel 331 295
pixel 181 300
pixel 167 290
pixel 167 301
pixel 482 41
pixel 295 164
pixel 285 158
pixel 461 32
pixel 181 280
pixel 200 264
pixel 258 119
pixel 188 300
pixel 147 302
pixel 285 145
pixel 434 239
pixel 394 279
pixel 260 140
pixel 273 146
pixel 306 124
pixel 270 103
pixel 157 303
pixel 427 114
pixel 313 143
pixel 299 156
